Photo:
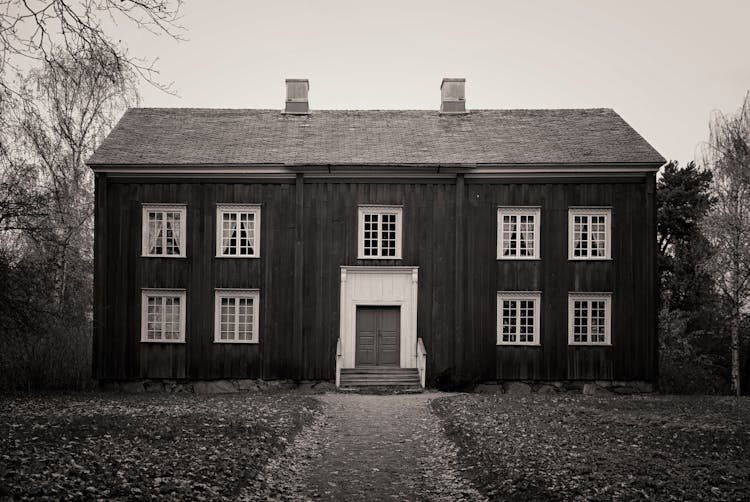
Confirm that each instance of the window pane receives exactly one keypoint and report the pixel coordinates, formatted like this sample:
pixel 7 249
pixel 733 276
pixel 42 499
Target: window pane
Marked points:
pixel 388 235
pixel 509 316
pixel 526 235
pixel 580 235
pixel 229 233
pixel 598 236
pixel 245 319
pixel 580 321
pixel 172 242
pixel 371 234
pixel 526 321
pixel 597 321
pixel 155 230
pixel 227 322
pixel 510 243
pixel 247 234
pixel 154 318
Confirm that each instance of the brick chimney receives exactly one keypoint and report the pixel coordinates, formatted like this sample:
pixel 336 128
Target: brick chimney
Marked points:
pixel 453 96
pixel 296 96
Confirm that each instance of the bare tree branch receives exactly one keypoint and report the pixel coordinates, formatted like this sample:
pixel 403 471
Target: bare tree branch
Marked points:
pixel 727 225
pixel 32 30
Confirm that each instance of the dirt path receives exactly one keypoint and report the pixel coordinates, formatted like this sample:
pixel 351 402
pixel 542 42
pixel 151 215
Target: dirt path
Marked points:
pixel 370 448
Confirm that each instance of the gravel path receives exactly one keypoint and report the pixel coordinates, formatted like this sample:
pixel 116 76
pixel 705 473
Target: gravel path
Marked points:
pixel 364 447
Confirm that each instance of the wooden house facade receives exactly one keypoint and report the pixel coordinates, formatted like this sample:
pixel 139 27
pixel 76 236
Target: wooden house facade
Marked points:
pixel 487 245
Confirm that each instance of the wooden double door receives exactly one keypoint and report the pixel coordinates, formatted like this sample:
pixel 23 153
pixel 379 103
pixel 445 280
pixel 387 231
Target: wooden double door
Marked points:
pixel 378 336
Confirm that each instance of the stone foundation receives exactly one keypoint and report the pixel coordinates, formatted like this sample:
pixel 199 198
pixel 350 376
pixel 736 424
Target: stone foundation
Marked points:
pixel 212 386
pixel 518 387
pixel 591 388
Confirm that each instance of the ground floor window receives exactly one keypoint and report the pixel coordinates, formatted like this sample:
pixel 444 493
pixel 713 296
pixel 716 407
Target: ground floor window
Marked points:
pixel 518 318
pixel 236 316
pixel 163 315
pixel 589 318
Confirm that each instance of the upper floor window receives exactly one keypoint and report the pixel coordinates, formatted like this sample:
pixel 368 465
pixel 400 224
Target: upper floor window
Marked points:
pixel 163 315
pixel 379 232
pixel 236 316
pixel 589 318
pixel 163 230
pixel 518 318
pixel 238 230
pixel 589 233
pixel 518 233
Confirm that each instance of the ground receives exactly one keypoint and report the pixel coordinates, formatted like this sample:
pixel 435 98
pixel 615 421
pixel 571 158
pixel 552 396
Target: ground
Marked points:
pixel 370 447
pixel 287 445
pixel 167 446
pixel 568 447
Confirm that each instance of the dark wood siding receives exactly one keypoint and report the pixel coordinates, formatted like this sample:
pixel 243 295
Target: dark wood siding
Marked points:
pixel 309 230
pixel 629 276
pixel 120 352
pixel 330 220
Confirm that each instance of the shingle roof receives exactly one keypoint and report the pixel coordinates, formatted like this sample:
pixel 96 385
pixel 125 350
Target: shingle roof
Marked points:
pixel 184 136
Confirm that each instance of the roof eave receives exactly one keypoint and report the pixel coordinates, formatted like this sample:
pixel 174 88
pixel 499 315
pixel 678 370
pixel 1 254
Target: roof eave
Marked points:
pixel 484 168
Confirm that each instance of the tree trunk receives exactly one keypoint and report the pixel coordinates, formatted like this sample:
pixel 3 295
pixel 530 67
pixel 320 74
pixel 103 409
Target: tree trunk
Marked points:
pixel 735 329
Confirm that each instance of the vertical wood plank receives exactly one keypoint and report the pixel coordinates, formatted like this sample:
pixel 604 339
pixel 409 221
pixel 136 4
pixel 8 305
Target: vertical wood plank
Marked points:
pixel 299 191
pixel 460 283
pixel 100 274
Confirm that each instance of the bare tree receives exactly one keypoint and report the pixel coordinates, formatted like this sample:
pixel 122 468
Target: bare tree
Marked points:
pixel 727 225
pixel 46 235
pixel 64 81
pixel 69 107
pixel 37 31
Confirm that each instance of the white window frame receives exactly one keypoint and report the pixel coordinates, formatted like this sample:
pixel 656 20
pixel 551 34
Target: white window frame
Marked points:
pixel 590 211
pixel 163 208
pixel 381 210
pixel 533 211
pixel 534 296
pixel 220 293
pixel 221 209
pixel 607 298
pixel 147 293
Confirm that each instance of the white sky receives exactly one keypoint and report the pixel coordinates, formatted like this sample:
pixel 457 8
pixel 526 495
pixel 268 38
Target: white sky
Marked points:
pixel 663 65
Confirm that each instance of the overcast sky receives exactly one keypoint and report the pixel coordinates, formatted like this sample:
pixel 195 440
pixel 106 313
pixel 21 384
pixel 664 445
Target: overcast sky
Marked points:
pixel 664 66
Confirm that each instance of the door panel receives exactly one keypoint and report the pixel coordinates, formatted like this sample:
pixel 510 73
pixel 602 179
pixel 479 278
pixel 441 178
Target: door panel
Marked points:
pixel 389 341
pixel 378 336
pixel 366 337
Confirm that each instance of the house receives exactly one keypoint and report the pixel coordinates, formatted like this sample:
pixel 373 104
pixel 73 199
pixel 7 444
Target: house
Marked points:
pixel 481 245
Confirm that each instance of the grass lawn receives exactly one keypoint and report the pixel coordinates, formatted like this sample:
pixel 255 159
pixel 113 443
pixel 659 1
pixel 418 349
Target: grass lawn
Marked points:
pixel 602 448
pixel 141 446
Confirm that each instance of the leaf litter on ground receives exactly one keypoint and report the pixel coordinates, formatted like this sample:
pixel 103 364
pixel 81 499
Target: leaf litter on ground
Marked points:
pixel 567 447
pixel 167 446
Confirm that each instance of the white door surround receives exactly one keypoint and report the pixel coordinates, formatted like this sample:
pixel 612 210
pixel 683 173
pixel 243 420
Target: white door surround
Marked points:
pixel 379 286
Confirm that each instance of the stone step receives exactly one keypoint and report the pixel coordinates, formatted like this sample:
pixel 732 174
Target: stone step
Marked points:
pixel 379 383
pixel 384 376
pixel 378 379
pixel 376 376
pixel 379 370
